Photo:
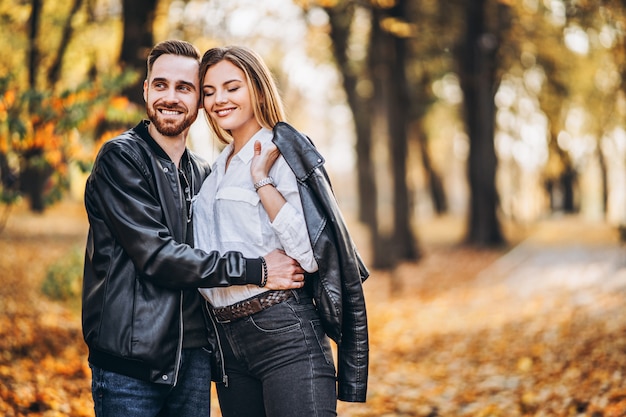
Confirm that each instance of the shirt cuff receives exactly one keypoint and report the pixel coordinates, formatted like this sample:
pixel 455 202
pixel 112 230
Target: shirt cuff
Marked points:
pixel 284 218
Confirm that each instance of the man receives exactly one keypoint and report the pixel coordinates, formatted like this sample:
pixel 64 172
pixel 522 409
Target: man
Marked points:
pixel 143 318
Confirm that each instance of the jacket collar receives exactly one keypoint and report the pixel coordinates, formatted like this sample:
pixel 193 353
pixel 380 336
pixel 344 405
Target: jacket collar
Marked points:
pixel 142 130
pixel 298 150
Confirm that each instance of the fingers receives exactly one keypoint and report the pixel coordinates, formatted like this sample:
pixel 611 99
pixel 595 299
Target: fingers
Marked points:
pixel 287 281
pixel 270 150
pixel 283 271
pixel 298 281
pixel 262 160
pixel 284 284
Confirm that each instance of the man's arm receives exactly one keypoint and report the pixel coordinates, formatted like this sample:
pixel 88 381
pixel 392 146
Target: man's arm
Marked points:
pixel 120 195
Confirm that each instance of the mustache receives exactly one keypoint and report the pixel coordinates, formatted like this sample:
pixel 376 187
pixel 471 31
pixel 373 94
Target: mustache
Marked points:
pixel 166 106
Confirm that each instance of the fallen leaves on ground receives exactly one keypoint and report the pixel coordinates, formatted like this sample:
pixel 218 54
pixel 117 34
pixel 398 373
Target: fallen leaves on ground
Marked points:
pixel 43 367
pixel 443 341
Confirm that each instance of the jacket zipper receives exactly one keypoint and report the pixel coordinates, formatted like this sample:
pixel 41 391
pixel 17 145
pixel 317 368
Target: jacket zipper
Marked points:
pixel 219 345
pixel 179 349
pixel 182 194
pixel 185 217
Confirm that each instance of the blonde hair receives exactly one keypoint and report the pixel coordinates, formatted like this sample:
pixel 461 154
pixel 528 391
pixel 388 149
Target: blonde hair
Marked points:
pixel 266 101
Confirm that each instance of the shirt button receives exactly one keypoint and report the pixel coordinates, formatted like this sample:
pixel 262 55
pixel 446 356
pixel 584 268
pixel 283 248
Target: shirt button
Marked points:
pixel 164 377
pixel 166 170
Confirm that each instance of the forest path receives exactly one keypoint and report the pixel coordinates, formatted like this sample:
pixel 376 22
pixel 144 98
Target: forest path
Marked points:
pixel 538 329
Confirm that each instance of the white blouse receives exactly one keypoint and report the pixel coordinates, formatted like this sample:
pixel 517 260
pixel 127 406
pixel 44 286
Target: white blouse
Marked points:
pixel 228 216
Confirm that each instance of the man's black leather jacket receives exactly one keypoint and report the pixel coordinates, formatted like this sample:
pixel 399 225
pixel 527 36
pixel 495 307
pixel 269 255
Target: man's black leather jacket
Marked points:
pixel 136 267
pixel 336 286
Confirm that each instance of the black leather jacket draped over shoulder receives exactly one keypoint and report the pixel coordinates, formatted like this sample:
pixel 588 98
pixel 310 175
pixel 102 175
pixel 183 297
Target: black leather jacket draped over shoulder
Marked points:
pixel 337 286
pixel 135 266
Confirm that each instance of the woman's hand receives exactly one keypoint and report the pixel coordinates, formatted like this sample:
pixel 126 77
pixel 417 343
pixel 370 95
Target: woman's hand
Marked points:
pixel 260 165
pixel 263 160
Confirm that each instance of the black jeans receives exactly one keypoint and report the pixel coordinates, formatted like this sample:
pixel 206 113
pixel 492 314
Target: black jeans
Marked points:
pixel 279 364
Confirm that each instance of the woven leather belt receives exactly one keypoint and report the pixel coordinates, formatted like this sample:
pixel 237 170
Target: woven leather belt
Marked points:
pixel 251 305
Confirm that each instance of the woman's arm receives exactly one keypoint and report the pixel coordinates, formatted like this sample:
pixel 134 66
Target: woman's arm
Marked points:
pixel 282 204
pixel 260 166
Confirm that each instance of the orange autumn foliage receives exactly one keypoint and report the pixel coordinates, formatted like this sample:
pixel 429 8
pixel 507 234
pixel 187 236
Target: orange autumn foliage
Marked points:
pixel 42 133
pixel 450 341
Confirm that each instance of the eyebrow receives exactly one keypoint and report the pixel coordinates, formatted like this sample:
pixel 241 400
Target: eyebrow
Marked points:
pixel 183 82
pixel 192 85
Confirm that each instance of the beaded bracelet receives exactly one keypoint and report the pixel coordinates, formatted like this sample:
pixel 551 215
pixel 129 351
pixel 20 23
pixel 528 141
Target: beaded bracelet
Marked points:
pixel 264 272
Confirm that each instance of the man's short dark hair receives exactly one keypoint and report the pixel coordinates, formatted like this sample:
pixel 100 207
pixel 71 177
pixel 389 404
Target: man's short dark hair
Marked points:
pixel 172 47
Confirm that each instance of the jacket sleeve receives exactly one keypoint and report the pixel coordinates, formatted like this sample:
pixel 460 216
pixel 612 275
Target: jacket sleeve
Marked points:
pixel 353 351
pixel 121 194
pixel 341 263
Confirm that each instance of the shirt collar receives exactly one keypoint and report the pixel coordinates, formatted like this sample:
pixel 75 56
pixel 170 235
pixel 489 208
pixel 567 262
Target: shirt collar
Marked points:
pixel 247 152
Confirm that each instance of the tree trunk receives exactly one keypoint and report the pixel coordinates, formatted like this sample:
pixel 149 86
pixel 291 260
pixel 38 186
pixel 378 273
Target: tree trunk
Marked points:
pixel 605 180
pixel 398 106
pixel 340 23
pixel 384 67
pixel 433 180
pixel 567 181
pixel 33 58
pixel 478 81
pixel 35 173
pixel 340 18
pixel 420 95
pixel 390 101
pixel 137 42
pixel 54 72
pixel 384 255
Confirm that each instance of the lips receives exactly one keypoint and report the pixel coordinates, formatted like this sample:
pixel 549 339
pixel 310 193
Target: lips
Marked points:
pixel 224 112
pixel 171 111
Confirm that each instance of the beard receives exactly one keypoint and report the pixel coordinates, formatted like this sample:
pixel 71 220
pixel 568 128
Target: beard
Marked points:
pixel 168 127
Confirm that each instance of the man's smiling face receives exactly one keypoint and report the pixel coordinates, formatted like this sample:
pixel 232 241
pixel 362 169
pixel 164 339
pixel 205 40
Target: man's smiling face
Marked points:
pixel 172 94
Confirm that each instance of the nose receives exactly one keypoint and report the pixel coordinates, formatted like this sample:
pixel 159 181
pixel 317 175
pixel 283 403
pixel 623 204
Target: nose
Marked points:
pixel 220 97
pixel 171 95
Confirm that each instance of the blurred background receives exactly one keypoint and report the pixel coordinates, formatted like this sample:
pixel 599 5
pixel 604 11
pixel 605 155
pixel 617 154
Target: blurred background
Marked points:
pixel 477 149
pixel 491 110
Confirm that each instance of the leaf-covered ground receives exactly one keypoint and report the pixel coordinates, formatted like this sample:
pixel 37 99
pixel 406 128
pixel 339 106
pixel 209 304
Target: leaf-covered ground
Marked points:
pixel 535 331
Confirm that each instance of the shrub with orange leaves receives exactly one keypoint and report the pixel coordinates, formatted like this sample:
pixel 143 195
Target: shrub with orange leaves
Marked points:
pixel 42 133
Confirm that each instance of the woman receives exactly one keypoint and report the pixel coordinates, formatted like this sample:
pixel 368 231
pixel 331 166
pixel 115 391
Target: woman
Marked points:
pixel 274 344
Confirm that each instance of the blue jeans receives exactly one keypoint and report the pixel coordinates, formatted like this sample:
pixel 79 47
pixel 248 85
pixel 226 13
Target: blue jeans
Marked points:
pixel 279 364
pixel 116 395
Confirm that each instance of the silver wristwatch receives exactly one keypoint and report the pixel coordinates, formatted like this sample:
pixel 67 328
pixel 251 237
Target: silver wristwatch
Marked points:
pixel 265 181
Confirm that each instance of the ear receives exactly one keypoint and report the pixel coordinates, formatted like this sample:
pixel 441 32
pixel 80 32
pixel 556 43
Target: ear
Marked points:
pixel 145 90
